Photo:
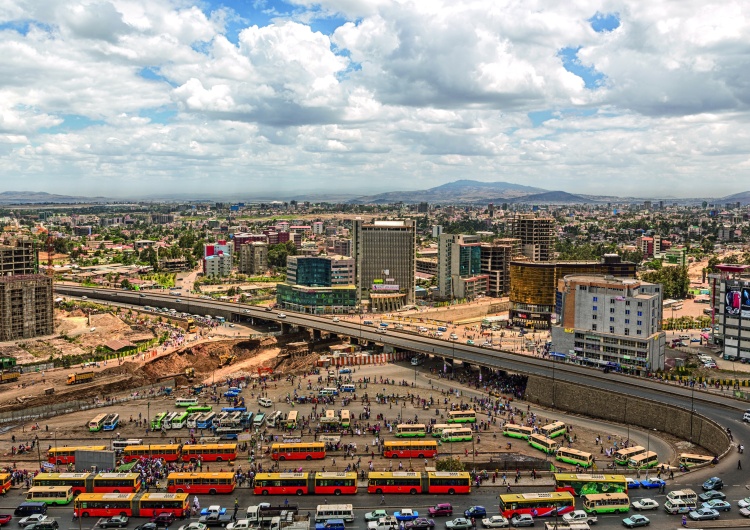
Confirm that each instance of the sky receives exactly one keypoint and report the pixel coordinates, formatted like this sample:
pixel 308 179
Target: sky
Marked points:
pixel 136 98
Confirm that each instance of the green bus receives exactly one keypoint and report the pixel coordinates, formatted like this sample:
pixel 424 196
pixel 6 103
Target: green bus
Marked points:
pixel 575 457
pixel 541 442
pixel 346 418
pixel 179 421
pixel 200 408
pixel 517 431
pixel 462 416
pixel 438 429
pixel 581 484
pixel 411 430
pixel 553 430
pixel 186 401
pixel 462 434
pixel 622 456
pixel 158 420
pixel 50 494
pixel 643 460
pixel 606 503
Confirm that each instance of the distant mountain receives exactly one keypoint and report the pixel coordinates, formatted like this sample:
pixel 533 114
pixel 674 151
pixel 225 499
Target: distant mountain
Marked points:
pixel 40 197
pixel 743 197
pixel 554 197
pixel 460 191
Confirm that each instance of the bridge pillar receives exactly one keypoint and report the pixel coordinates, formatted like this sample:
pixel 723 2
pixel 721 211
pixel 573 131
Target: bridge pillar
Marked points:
pixel 285 328
pixel 316 334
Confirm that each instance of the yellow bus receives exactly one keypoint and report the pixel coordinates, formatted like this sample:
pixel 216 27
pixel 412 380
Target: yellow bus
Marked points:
pixel 622 456
pixel 438 429
pixel 97 423
pixel 411 430
pixel 541 442
pixel 410 449
pixel 536 504
pixel 690 460
pixel 553 430
pixel 517 431
pixel 644 460
pixel 50 494
pixel 606 503
pixel 80 482
pixel 574 456
pixel 330 418
pixel 291 420
pixel 462 416
pixel 201 483
pixel 67 455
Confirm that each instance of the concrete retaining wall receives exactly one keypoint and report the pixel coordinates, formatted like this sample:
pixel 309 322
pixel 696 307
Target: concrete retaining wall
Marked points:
pixel 628 410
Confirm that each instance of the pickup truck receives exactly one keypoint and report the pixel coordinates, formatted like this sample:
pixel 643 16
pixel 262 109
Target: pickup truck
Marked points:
pixel 263 513
pixel 579 516
pixel 216 519
pixel 384 523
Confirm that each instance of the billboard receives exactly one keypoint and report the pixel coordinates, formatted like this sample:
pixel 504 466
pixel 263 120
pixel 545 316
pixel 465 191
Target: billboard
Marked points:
pixel 737 300
pixel 385 287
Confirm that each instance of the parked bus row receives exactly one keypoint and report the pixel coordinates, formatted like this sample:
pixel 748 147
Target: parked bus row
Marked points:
pixel 222 452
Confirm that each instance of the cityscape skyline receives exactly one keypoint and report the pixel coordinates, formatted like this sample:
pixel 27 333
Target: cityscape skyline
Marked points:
pixel 132 99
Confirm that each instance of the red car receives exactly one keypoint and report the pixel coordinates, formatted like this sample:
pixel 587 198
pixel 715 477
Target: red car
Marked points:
pixel 443 508
pixel 5 518
pixel 163 519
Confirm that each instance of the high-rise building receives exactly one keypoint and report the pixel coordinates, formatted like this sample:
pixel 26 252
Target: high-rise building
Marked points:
pixel 318 228
pixel 217 259
pixel 496 258
pixel 20 257
pixel 253 258
pixel 25 306
pixel 318 285
pixel 342 247
pixel 460 267
pixel 610 322
pixel 385 263
pixel 437 230
pixel 536 234
pixel 533 286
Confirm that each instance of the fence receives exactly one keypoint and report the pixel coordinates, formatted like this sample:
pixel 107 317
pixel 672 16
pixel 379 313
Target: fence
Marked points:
pixel 354 360
pixel 30 414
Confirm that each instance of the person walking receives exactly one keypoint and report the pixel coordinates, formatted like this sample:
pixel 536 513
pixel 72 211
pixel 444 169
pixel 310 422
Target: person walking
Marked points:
pixel 739 464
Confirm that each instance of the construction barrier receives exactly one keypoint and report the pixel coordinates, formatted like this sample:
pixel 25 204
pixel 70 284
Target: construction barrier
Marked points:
pixel 356 360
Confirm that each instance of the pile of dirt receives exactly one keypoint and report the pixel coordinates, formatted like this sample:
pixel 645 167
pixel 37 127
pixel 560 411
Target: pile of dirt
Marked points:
pixel 297 364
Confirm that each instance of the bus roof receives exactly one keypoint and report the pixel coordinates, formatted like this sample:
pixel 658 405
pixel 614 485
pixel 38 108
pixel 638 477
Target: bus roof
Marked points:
pixel 62 475
pixel 388 474
pixel 164 496
pixel 225 474
pixel 589 477
pixel 105 496
pixel 470 411
pixel 300 444
pixel 448 473
pixel 281 475
pixel 336 474
pixel 118 475
pixel 510 497
pixel 50 488
pixel 597 496
pixel 80 448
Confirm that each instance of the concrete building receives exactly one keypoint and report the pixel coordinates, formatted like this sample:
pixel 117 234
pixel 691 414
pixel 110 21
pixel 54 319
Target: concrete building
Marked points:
pixel 19 257
pixel 318 285
pixel 25 306
pixel 217 259
pixel 437 230
pixel 730 288
pixel 162 218
pixel 609 322
pixel 253 258
pixel 342 247
pixel 318 228
pixel 676 256
pixel 460 267
pixel 536 234
pixel 385 263
pixel 496 258
pixel 533 286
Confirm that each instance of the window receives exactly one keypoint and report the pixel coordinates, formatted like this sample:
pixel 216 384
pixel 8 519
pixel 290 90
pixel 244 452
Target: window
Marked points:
pixel 596 299
pixel 593 317
pixel 611 329
pixel 640 313
pixel 638 332
pixel 594 308
pixel 611 319
pixel 627 311
pixel 627 331
pixel 627 302
pixel 640 304
pixel 611 309
pixel 640 322
pixel 611 300
pixel 593 327
pixel 627 321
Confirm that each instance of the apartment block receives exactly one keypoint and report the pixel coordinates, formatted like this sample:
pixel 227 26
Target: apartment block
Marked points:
pixel 25 306
pixel 460 267
pixel 253 258
pixel 730 287
pixel 536 234
pixel 496 257
pixel 385 267
pixel 19 257
pixel 609 322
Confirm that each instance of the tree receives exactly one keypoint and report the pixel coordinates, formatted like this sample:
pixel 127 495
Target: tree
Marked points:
pixel 674 280
pixel 449 464
pixel 125 284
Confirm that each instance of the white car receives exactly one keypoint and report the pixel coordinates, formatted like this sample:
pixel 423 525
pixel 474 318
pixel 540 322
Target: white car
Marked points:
pixel 645 504
pixel 336 319
pixel 31 519
pixel 281 315
pixel 496 521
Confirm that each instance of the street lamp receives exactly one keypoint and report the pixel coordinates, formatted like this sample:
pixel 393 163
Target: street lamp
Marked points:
pixel 692 407
pixel 148 416
pixel 56 447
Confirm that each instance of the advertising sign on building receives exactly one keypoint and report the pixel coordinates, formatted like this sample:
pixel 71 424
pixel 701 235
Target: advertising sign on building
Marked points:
pixel 385 287
pixel 737 299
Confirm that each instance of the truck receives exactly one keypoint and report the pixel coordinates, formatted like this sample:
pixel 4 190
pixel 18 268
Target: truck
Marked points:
pixel 579 516
pixel 83 377
pixel 9 377
pixel 562 525
pixel 288 522
pixel 263 513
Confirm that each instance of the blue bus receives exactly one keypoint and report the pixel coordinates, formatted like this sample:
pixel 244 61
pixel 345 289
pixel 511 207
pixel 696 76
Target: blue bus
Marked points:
pixel 234 409
pixel 206 421
pixel 111 422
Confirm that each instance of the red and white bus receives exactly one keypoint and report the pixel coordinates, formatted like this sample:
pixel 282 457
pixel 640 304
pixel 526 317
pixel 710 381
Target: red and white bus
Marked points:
pixel 335 483
pixel 209 452
pixel 67 455
pixel 169 453
pixel 410 449
pixel 117 483
pixel 201 483
pixel 403 482
pixel 298 451
pixel 80 482
pixel 281 484
pixel 103 504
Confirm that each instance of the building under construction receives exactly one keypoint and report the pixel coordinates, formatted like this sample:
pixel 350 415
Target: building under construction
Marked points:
pixel 25 306
pixel 25 296
pixel 537 235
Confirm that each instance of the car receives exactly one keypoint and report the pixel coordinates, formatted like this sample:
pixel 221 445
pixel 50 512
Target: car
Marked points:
pixel 477 512
pixel 163 519
pixel 5 518
pixel 522 519
pixel 745 512
pixel 470 342
pixel 454 336
pixel 695 339
pixel 336 319
pixel 420 523
pixel 645 504
pixel 116 521
pixel 459 523
pixel 711 495
pixel 178 300
pixel 245 310
pixel 714 483
pixel 703 514
pixel 496 521
pixel 632 483
pixel 146 526
pixel 193 526
pixel 717 504
pixel 345 371
pixel 47 524
pixel 375 515
pixel 744 503
pixel 651 483
pixel 710 365
pixel 281 315
pixel 635 520
pixel 441 508
pixel 31 519
pixel 406 514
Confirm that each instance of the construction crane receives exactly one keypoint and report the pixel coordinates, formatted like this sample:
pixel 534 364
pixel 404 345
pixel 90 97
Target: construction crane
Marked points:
pixel 50 252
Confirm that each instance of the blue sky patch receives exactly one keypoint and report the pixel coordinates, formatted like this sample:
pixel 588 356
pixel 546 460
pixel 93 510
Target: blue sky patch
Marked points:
pixel 591 78
pixel 20 26
pixel 161 115
pixel 72 122
pixel 605 22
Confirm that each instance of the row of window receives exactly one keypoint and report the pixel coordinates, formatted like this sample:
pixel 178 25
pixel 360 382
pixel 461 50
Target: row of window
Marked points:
pixel 612 330
pixel 612 301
